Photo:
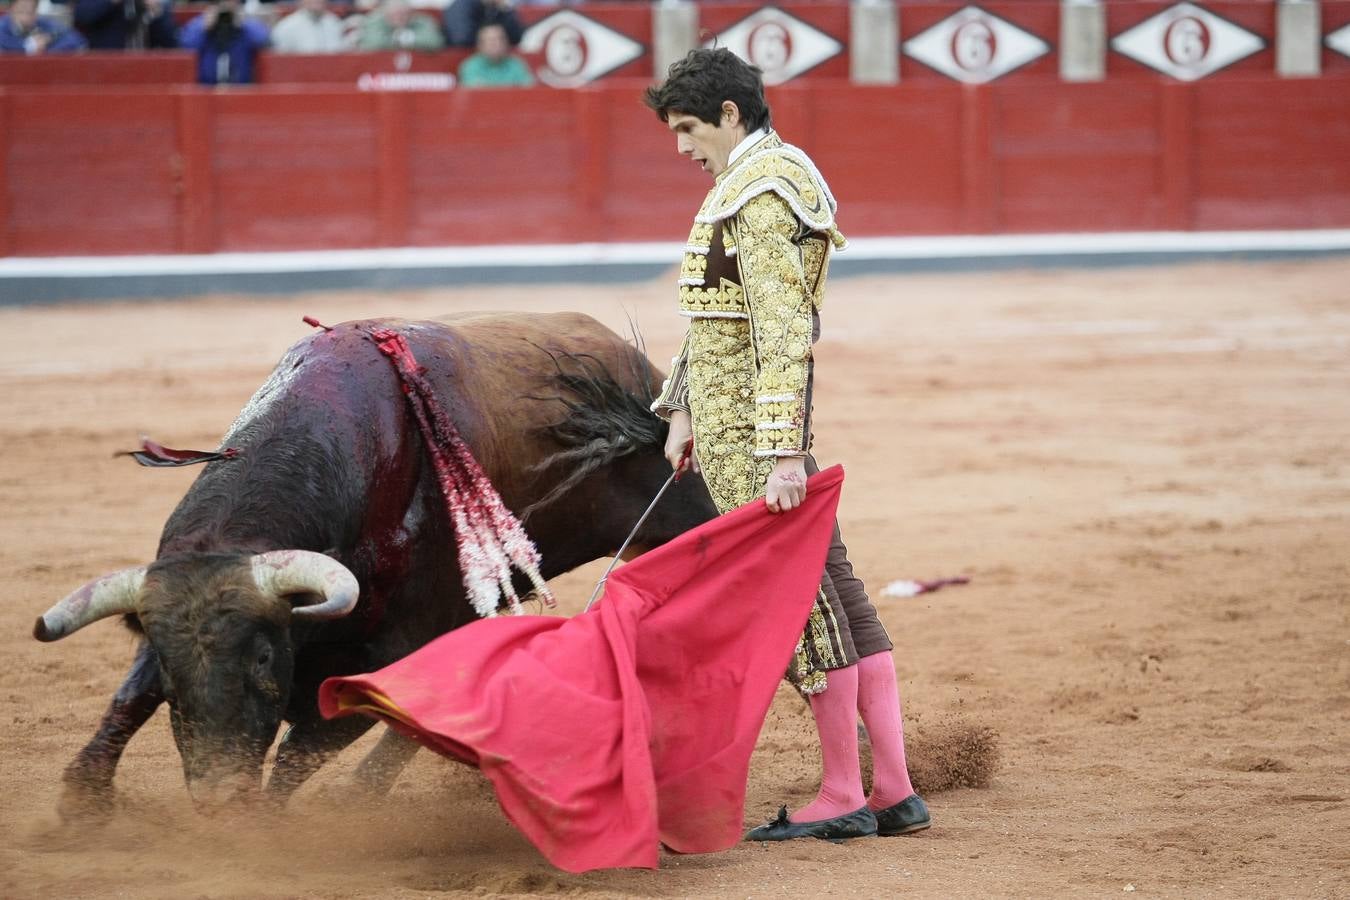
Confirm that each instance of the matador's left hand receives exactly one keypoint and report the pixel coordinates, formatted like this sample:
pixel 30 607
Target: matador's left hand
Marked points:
pixel 786 487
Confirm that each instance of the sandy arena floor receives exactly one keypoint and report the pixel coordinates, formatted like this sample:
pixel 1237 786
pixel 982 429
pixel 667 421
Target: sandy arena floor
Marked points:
pixel 1143 470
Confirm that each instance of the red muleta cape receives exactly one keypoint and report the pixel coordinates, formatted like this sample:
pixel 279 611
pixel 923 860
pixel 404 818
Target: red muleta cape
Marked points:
pixel 629 726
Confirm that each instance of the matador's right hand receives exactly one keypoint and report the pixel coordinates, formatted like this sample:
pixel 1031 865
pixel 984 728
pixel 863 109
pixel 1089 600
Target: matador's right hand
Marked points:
pixel 679 442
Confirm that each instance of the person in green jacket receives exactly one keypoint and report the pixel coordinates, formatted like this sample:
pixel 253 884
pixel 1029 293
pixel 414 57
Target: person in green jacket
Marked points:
pixel 494 65
pixel 395 27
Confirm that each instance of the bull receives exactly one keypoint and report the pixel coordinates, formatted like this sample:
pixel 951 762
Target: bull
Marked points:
pixel 324 547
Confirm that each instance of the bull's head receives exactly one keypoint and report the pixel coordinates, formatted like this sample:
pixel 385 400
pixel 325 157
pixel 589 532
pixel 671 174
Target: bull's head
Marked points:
pixel 220 625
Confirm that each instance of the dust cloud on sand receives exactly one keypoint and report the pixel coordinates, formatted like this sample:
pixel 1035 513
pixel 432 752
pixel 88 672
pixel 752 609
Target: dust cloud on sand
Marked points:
pixel 1146 685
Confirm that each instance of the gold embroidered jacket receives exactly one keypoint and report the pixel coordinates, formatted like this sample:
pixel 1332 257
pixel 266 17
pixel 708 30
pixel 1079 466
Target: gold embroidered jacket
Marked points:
pixel 752 283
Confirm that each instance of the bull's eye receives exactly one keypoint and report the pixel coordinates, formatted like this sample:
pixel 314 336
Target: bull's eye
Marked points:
pixel 264 659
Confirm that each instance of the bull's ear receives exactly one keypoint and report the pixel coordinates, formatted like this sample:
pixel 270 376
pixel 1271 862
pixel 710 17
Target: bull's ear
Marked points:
pixel 133 621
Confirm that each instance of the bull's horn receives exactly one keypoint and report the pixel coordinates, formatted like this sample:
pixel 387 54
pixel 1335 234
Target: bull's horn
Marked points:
pixel 110 595
pixel 282 572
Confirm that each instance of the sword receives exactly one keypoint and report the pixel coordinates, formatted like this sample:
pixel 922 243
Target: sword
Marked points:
pixel 674 477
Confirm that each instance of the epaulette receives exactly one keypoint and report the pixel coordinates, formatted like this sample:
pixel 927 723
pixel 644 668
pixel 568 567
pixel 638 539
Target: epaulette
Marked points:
pixel 782 169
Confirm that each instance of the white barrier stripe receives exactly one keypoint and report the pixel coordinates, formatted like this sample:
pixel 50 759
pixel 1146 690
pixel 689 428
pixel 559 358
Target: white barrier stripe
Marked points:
pixel 596 254
pixel 488 256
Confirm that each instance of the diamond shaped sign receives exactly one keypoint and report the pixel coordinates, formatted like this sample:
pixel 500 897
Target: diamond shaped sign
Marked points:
pixel 975 46
pixel 1339 40
pixel 1187 42
pixel 577 50
pixel 780 44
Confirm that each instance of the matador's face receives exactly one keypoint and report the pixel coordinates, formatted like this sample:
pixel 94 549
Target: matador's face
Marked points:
pixel 706 144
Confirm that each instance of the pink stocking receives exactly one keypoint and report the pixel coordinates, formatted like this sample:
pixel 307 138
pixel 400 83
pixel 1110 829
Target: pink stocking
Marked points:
pixel 836 713
pixel 879 703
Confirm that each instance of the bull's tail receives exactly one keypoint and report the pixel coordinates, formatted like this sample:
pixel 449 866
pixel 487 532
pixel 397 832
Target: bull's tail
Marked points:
pixel 603 420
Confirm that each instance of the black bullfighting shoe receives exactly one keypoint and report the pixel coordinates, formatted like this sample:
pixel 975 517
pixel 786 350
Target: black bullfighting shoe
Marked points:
pixel 910 814
pixel 859 823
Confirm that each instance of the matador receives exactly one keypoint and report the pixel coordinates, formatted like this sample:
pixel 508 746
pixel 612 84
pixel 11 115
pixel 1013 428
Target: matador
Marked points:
pixel 752 285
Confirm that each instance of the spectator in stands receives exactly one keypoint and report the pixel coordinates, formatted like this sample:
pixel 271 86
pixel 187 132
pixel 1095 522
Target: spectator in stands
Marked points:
pixel 126 24
pixel 494 65
pixel 226 43
pixel 463 19
pixel 24 31
pixel 394 26
pixel 354 23
pixel 310 29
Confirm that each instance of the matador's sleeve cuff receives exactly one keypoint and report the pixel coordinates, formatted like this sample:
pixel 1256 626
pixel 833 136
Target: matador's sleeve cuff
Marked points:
pixel 778 425
pixel 675 389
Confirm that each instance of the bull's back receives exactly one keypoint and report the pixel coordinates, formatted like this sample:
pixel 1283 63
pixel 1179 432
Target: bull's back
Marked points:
pixel 572 332
pixel 323 435
pixel 495 375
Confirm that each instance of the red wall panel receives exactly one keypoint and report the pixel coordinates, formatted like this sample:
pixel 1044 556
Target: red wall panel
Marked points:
pixel 1277 157
pixel 478 174
pixel 6 127
pixel 295 170
pixel 1085 157
pixel 90 176
pixel 101 67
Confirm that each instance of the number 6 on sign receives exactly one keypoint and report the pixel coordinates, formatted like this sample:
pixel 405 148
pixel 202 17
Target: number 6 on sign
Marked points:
pixel 577 50
pixel 974 46
pixel 1186 42
pixel 782 45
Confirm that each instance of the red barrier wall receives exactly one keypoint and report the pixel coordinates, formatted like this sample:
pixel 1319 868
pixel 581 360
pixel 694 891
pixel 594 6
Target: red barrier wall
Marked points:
pixel 194 170
pixel 102 67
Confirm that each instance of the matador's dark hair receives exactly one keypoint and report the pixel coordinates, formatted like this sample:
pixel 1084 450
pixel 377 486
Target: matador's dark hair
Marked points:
pixel 697 85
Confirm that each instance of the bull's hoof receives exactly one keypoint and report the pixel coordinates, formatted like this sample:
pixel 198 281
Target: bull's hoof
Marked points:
pixel 86 803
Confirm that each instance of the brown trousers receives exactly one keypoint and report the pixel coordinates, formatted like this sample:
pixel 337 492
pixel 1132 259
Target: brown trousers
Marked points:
pixel 856 629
